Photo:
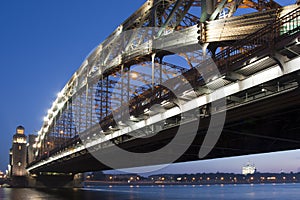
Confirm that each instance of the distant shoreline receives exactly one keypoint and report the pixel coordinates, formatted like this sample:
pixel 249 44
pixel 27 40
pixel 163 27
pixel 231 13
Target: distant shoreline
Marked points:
pixel 100 183
pixel 193 179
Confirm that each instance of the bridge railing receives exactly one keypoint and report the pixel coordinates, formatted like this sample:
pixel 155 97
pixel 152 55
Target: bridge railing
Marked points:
pixel 265 38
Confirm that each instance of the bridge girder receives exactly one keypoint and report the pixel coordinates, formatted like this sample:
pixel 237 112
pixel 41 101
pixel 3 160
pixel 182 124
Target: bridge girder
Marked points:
pixel 103 85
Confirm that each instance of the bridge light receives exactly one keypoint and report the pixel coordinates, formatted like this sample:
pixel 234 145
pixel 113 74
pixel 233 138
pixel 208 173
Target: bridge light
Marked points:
pixel 60 106
pixel 132 117
pixel 46 129
pixel 146 111
pixel 46 119
pixel 164 102
pixel 134 75
pixel 215 77
pixel 60 94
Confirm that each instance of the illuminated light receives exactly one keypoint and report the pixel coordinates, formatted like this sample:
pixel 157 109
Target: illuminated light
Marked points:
pixel 255 61
pixel 20 131
pixel 45 119
pixel 214 78
pixel 164 102
pixel 133 118
pixel 61 132
pixel 34 146
pixel 50 111
pixel 36 139
pixel 60 94
pixel 134 75
pixel 146 111
pixel 50 121
pixel 60 106
pixel 121 123
pixel 46 129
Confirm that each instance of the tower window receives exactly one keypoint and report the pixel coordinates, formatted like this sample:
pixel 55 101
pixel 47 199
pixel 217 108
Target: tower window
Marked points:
pixel 20 147
pixel 19 164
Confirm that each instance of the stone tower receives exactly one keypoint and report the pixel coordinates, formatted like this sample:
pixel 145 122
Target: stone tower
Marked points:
pixel 19 153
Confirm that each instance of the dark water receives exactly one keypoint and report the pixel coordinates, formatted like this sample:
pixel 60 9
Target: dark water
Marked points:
pixel 225 192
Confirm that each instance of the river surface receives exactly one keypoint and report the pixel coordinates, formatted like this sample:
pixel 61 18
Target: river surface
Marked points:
pixel 213 192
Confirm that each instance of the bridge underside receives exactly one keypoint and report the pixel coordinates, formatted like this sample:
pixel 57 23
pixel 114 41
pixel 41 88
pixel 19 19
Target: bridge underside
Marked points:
pixel 266 126
pixel 258 72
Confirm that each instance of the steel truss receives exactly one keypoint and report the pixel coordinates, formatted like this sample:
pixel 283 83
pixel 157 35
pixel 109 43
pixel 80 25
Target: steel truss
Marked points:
pixel 133 75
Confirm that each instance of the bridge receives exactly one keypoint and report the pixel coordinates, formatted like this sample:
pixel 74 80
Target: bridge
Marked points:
pixel 179 80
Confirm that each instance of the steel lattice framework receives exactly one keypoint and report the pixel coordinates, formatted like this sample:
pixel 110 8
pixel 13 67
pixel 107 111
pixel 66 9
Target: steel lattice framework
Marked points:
pixel 109 80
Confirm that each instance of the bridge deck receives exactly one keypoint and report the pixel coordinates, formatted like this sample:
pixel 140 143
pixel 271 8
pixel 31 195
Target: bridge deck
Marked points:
pixel 257 72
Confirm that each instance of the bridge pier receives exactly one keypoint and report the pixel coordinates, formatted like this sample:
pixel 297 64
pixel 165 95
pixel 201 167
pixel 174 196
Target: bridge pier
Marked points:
pixel 18 181
pixel 55 180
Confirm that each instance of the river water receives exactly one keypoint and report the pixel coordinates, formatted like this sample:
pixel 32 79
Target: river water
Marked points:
pixel 213 192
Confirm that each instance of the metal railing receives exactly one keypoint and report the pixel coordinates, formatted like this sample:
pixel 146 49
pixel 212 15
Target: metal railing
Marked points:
pixel 265 38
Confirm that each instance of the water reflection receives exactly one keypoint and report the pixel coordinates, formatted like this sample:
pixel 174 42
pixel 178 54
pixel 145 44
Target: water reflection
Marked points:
pixel 213 192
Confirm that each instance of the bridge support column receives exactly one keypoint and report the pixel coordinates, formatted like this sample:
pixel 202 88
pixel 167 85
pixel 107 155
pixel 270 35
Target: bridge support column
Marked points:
pixel 53 180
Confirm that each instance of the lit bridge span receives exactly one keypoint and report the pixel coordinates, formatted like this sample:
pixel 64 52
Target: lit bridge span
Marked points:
pixel 118 96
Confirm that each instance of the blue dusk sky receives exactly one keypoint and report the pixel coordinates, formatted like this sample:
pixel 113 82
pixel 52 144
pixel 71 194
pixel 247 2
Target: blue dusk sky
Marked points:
pixel 44 42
